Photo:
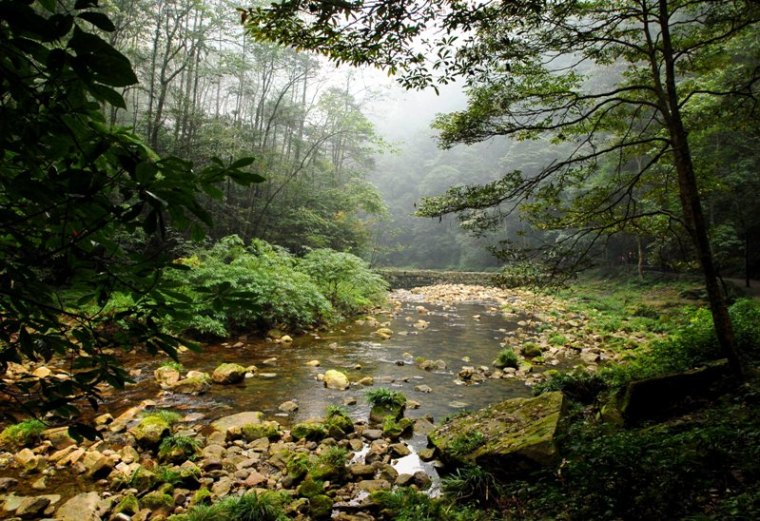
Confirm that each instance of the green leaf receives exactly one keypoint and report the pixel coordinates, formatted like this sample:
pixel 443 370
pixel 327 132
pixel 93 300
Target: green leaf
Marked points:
pixel 101 60
pixel 99 20
pixel 107 94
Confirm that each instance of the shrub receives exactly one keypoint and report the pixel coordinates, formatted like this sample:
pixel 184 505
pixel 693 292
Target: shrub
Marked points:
pixel 383 397
pixel 345 279
pixel 406 504
pixel 178 448
pixel 507 358
pixel 23 433
pixel 234 286
pixel 472 484
pixel 267 506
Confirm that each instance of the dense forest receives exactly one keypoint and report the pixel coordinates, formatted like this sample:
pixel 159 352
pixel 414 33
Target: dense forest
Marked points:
pixel 200 182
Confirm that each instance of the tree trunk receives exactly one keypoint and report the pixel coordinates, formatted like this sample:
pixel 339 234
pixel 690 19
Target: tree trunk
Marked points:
pixel 690 200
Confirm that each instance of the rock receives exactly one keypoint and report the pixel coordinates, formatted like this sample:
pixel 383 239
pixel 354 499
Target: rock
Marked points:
pixel 511 437
pixel 423 426
pixel 427 454
pixel 360 470
pixel 32 507
pixel 310 431
pixel 653 398
pixel 336 380
pixel 349 400
pixel 254 479
pixel 222 487
pixel 399 450
pixel 167 376
pixel 423 388
pixel 231 426
pixel 97 465
pixel 384 333
pixel 269 430
pixel 28 460
pixel 150 431
pixel 366 381
pixel 228 374
pixel 194 384
pixel 372 434
pixel 42 372
pixel 286 339
pixel 82 507
pixel 313 363
pixel 289 406
pixel 320 507
pixel 422 480
pixel 7 484
pixel 274 334
pixel 531 350
pixel 433 365
pixel 373 485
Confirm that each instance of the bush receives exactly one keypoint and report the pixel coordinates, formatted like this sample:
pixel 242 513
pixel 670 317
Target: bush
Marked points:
pixel 507 358
pixel 233 286
pixel 406 504
pixel 382 397
pixel 345 279
pixel 178 449
pixel 267 506
pixel 472 484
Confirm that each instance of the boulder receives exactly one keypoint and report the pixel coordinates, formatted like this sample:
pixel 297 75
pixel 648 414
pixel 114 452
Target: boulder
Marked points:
pixel 228 374
pixel 509 438
pixel 654 398
pixel 32 507
pixel 231 426
pixel 167 376
pixel 82 507
pixel 336 380
pixel 150 431
pixel 193 384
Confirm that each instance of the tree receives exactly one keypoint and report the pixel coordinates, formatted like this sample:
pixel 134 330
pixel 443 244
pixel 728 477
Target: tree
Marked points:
pixel 74 194
pixel 524 62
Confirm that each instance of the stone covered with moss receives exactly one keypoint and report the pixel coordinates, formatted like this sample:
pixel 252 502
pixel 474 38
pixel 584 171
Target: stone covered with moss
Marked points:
pixel 511 437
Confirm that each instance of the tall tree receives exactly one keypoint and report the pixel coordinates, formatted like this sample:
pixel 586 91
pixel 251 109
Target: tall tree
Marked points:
pixel 524 63
pixel 74 192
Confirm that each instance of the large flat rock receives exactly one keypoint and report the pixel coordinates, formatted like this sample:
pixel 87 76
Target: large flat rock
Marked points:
pixel 508 438
pixel 232 425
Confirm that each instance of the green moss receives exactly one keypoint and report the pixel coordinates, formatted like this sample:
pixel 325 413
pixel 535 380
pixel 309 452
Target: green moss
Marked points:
pixel 311 431
pixel 157 500
pixel 531 350
pixel 201 497
pixel 310 488
pixel 129 505
pixel 320 507
pixel 393 428
pixel 161 415
pixel 267 429
pixel 21 434
pixel 338 421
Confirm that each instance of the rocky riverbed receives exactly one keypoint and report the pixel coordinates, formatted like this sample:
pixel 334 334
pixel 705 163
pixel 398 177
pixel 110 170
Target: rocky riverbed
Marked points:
pixel 283 383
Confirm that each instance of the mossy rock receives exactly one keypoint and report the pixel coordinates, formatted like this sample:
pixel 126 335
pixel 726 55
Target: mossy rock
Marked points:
pixel 228 374
pixel 311 431
pixel 232 425
pixel 517 436
pixel 396 429
pixel 378 413
pixel 129 506
pixel 255 431
pixel 199 384
pixel 320 507
pixel 150 431
pixel 310 488
pixel 531 350
pixel 22 434
pixel 324 471
pixel 201 497
pixel 158 501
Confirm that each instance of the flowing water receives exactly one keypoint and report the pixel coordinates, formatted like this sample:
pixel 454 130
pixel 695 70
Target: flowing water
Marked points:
pixel 462 335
